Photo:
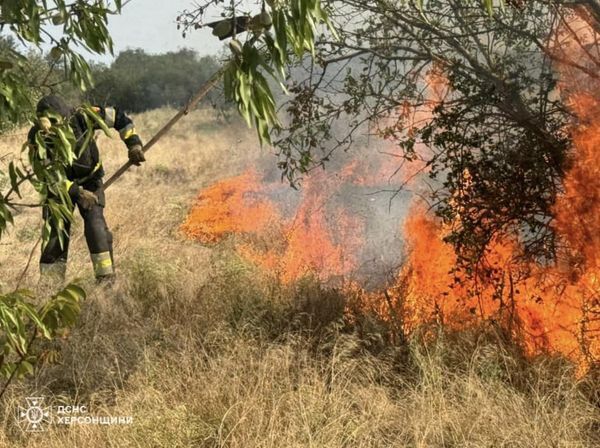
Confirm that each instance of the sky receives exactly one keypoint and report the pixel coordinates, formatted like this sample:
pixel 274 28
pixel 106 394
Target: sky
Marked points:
pixel 150 25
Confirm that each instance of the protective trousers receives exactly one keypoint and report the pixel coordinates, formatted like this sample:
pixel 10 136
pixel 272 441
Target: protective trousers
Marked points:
pixel 99 240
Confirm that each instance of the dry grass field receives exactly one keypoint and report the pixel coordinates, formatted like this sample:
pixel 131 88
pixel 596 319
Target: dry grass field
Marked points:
pixel 203 350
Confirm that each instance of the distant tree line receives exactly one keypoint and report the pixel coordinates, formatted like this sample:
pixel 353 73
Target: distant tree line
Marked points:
pixel 137 81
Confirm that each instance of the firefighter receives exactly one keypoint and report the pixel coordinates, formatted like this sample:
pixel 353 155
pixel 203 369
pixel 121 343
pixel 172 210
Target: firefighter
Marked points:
pixel 84 186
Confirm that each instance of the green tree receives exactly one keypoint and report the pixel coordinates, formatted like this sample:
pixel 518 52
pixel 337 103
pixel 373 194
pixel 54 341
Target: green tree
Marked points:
pixel 137 81
pixel 498 135
pixel 38 74
pixel 23 317
pixel 500 132
pixel 281 33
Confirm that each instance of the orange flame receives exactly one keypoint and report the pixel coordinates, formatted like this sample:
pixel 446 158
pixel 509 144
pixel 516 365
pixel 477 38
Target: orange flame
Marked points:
pixel 552 309
pixel 307 245
pixel 546 309
pixel 235 205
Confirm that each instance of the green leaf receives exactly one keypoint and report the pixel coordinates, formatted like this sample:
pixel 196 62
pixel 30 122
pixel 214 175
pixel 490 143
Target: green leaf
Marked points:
pixel 35 318
pixel 14 178
pixel 25 368
pixel 89 112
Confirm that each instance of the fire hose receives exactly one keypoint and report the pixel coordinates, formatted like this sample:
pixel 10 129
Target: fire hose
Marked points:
pixel 194 100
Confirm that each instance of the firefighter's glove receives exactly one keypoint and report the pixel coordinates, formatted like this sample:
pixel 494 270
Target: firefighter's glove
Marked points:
pixel 86 199
pixel 136 155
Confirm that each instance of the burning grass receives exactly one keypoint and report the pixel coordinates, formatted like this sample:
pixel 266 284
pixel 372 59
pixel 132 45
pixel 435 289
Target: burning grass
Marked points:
pixel 238 359
pixel 231 206
pixel 317 238
pixel 550 308
pixel 210 346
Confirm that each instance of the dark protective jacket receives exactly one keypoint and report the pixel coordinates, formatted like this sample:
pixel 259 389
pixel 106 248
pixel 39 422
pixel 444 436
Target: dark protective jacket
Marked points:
pixel 87 169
